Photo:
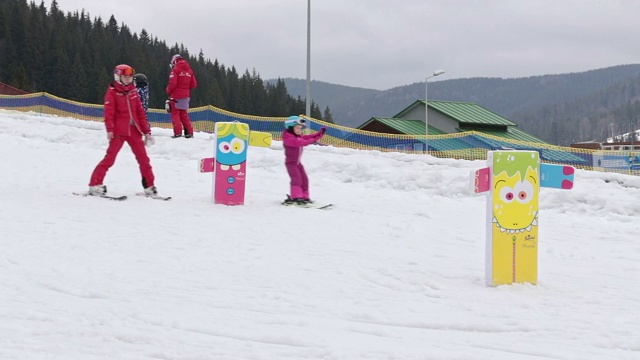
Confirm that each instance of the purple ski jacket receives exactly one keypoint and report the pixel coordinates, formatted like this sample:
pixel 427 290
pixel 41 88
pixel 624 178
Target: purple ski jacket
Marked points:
pixel 293 145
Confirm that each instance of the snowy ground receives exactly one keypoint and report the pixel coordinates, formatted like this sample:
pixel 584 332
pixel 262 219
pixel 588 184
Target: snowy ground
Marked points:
pixel 394 271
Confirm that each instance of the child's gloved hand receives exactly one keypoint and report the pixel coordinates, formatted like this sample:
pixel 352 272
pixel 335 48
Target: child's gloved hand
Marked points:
pixel 323 130
pixel 149 140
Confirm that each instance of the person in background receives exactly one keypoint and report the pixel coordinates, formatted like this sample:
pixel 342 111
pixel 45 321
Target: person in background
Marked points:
pixel 142 86
pixel 125 121
pixel 293 141
pixel 181 81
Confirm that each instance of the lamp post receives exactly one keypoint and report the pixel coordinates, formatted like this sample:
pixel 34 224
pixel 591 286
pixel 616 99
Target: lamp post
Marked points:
pixel 426 108
pixel 308 102
pixel 632 158
pixel 637 126
pixel 611 130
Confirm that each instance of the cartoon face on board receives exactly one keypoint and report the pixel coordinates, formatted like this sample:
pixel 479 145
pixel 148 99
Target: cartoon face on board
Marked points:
pixel 515 200
pixel 232 144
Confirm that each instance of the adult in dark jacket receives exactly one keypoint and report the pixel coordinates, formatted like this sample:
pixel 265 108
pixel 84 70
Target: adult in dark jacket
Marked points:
pixel 125 121
pixel 293 141
pixel 181 81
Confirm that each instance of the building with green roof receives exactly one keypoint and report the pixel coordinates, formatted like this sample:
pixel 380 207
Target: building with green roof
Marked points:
pixel 450 117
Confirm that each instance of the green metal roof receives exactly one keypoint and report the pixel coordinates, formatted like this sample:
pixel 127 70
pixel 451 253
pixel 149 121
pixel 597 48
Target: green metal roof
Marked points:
pixel 511 133
pixel 416 127
pixel 465 113
pixel 546 153
pixel 408 127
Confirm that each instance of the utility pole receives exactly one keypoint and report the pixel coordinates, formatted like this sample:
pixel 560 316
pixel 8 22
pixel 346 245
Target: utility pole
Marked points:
pixel 308 113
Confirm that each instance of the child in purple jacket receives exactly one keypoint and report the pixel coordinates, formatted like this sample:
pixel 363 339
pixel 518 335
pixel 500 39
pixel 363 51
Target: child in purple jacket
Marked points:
pixel 293 142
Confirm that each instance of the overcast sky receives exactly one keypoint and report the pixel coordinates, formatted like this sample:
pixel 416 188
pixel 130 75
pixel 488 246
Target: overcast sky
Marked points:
pixel 381 44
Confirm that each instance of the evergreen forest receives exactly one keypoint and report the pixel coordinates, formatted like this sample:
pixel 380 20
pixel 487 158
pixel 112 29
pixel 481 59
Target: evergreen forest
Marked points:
pixel 72 56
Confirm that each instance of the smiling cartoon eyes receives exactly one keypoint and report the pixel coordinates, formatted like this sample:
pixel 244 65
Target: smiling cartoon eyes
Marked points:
pixel 235 146
pixel 522 192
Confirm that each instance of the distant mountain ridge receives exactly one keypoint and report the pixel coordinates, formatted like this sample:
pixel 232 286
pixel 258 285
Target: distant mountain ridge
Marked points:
pixel 581 104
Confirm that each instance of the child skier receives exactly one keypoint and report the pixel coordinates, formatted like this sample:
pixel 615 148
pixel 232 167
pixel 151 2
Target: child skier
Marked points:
pixel 125 121
pixel 293 142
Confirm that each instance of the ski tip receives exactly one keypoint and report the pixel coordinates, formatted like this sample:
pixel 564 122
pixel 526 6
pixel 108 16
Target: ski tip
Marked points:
pixel 117 198
pixel 155 197
pixel 309 206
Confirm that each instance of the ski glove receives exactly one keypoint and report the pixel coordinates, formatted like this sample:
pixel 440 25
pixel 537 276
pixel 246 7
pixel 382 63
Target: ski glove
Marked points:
pixel 167 105
pixel 149 140
pixel 323 130
pixel 109 135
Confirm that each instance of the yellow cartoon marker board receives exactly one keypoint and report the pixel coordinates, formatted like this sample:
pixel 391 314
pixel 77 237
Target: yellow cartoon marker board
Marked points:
pixel 513 250
pixel 513 180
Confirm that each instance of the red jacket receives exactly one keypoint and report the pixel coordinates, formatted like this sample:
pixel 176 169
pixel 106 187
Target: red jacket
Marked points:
pixel 123 109
pixel 181 80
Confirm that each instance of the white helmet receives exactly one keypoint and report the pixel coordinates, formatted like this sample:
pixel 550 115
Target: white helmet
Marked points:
pixel 174 58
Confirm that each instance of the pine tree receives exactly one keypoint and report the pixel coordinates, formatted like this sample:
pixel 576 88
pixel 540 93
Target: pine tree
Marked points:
pixel 73 57
pixel 327 115
pixel 20 80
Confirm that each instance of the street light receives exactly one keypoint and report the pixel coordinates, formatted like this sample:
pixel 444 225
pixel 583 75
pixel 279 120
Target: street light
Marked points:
pixel 426 107
pixel 633 134
pixel 632 159
pixel 308 102
pixel 637 125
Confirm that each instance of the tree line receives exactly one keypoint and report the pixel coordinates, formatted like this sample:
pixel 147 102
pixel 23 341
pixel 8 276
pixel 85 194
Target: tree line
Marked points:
pixel 613 111
pixel 71 56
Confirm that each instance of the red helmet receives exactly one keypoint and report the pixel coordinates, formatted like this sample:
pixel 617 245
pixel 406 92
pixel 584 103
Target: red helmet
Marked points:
pixel 122 69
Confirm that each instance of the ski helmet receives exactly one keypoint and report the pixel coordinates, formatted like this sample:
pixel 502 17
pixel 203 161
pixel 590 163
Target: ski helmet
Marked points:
pixel 293 121
pixel 174 58
pixel 122 69
pixel 140 78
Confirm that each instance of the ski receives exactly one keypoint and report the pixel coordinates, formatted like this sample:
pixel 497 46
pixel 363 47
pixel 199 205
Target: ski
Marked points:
pixel 310 206
pixel 155 197
pixel 289 202
pixel 318 206
pixel 116 198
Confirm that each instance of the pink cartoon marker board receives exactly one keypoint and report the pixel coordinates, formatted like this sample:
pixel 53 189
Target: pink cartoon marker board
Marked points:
pixel 229 165
pixel 231 142
pixel 512 181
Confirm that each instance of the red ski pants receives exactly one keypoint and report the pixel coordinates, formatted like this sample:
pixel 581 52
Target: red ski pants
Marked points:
pixel 137 147
pixel 180 118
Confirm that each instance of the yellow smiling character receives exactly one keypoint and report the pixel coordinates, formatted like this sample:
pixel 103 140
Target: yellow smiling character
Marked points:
pixel 512 252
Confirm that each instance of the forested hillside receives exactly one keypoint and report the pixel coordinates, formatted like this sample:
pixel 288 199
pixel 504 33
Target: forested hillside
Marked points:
pixel 560 109
pixel 611 111
pixel 72 56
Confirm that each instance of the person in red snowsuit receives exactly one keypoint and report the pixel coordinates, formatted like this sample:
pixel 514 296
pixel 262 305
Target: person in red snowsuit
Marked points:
pixel 125 122
pixel 181 81
pixel 293 141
